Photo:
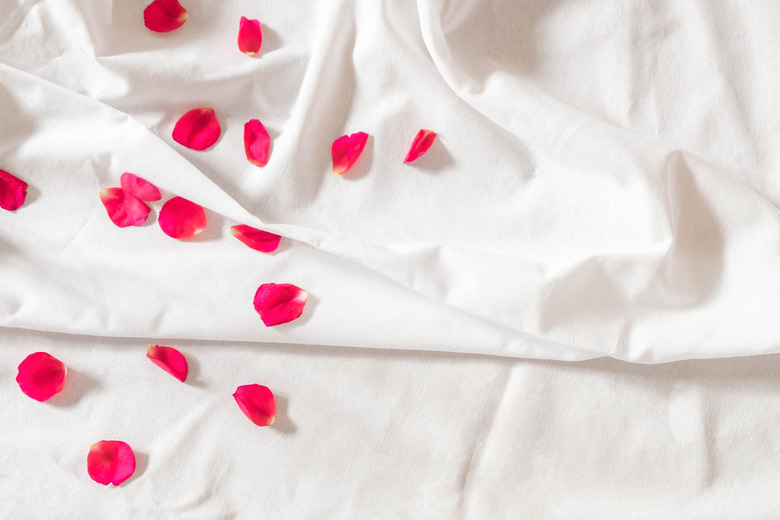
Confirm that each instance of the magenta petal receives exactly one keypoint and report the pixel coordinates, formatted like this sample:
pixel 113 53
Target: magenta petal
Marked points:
pixel 181 218
pixel 170 360
pixel 197 129
pixel 123 208
pixel 257 402
pixel 257 239
pixel 250 36
pixel 164 15
pixel 110 462
pixel 13 191
pixel 279 303
pixel 256 142
pixel 140 188
pixel 422 141
pixel 41 376
pixel 346 150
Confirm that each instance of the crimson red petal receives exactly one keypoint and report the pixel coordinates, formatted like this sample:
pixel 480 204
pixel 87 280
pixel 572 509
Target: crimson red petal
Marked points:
pixel 138 187
pixel 346 150
pixel 181 218
pixel 41 376
pixel 279 303
pixel 123 208
pixel 257 239
pixel 170 360
pixel 256 142
pixel 250 36
pixel 164 15
pixel 422 141
pixel 110 462
pixel 197 129
pixel 13 191
pixel 257 402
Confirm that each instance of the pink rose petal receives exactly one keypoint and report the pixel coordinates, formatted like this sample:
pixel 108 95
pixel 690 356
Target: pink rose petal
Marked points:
pixel 110 462
pixel 256 142
pixel 257 402
pixel 140 188
pixel 257 239
pixel 170 360
pixel 123 208
pixel 164 15
pixel 41 376
pixel 197 129
pixel 13 191
pixel 182 219
pixel 422 141
pixel 250 36
pixel 279 303
pixel 346 150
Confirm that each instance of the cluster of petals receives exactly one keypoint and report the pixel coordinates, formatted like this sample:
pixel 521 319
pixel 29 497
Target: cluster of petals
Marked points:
pixel 13 191
pixel 125 205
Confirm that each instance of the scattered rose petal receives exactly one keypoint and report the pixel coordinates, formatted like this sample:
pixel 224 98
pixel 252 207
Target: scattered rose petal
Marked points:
pixel 279 303
pixel 197 129
pixel 422 141
pixel 138 187
pixel 13 191
pixel 123 208
pixel 110 462
pixel 41 376
pixel 257 402
pixel 250 37
pixel 257 239
pixel 164 15
pixel 180 218
pixel 170 360
pixel 256 142
pixel 346 150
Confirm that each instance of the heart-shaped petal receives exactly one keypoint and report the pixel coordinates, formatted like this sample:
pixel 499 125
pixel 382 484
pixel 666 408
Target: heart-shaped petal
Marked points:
pixel 123 208
pixel 250 36
pixel 13 191
pixel 257 402
pixel 256 142
pixel 181 218
pixel 197 129
pixel 170 360
pixel 164 15
pixel 257 239
pixel 41 376
pixel 138 187
pixel 279 303
pixel 346 150
pixel 110 462
pixel 422 141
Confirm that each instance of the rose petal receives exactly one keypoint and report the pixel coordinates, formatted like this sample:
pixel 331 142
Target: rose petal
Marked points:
pixel 13 191
pixel 257 402
pixel 422 141
pixel 123 208
pixel 170 360
pixel 138 187
pixel 180 218
pixel 346 150
pixel 256 142
pixel 164 15
pixel 279 303
pixel 250 36
pixel 110 462
pixel 197 129
pixel 257 239
pixel 41 376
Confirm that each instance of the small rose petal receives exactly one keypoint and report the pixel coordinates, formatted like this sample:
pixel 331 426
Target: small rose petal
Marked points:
pixel 422 141
pixel 41 376
pixel 250 37
pixel 123 208
pixel 257 239
pixel 180 218
pixel 346 150
pixel 256 142
pixel 110 462
pixel 164 15
pixel 279 303
pixel 138 187
pixel 197 129
pixel 170 360
pixel 257 402
pixel 13 191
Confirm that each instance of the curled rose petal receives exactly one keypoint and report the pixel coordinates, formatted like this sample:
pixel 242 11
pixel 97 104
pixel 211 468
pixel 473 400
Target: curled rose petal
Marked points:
pixel 422 141
pixel 110 462
pixel 250 36
pixel 257 402
pixel 197 129
pixel 257 239
pixel 164 15
pixel 256 142
pixel 170 360
pixel 138 187
pixel 41 376
pixel 279 303
pixel 180 218
pixel 346 150
pixel 13 191
pixel 123 208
